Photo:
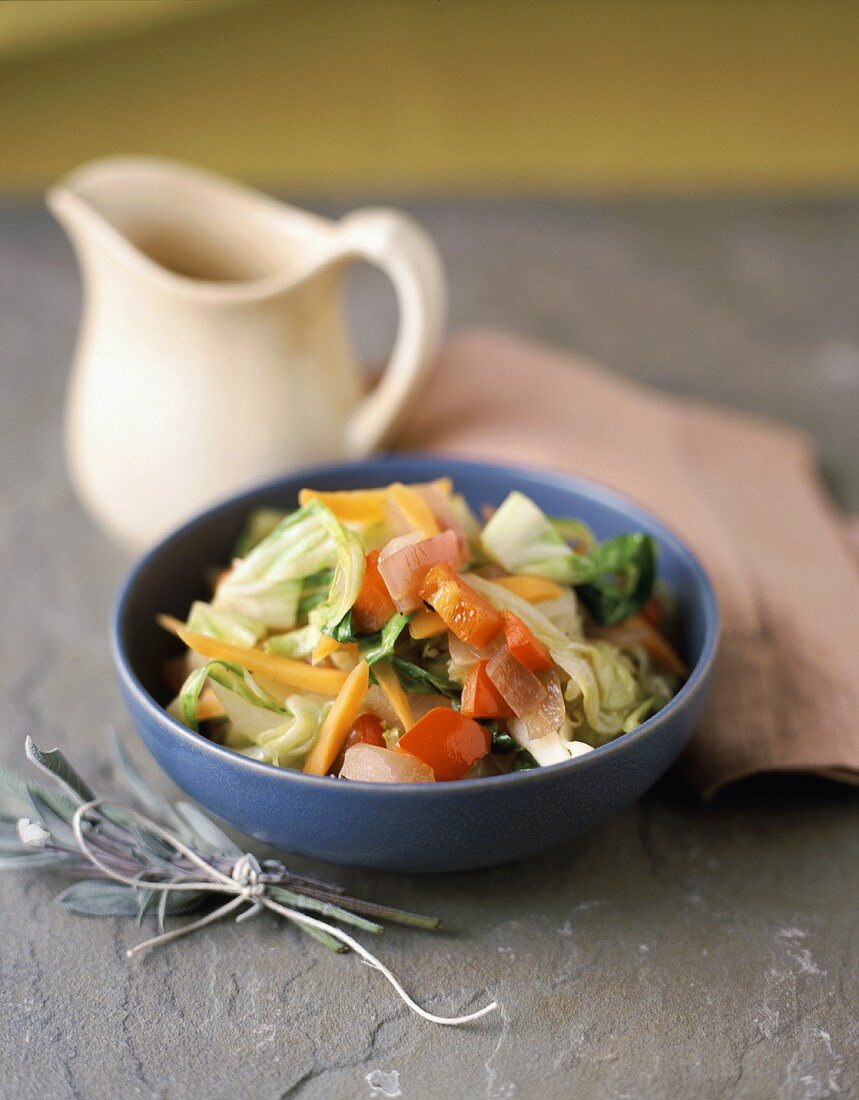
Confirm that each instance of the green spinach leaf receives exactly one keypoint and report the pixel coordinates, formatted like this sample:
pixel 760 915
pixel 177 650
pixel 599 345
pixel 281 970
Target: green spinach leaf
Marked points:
pixel 424 680
pixel 377 647
pixel 615 579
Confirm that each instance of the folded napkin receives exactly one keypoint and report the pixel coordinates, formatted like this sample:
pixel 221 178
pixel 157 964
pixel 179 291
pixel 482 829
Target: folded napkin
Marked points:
pixel 744 495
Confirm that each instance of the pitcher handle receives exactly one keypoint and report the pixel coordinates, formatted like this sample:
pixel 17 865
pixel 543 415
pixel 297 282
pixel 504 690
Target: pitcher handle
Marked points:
pixel 396 244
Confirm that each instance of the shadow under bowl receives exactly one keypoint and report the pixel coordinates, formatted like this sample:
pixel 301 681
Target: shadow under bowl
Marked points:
pixel 400 827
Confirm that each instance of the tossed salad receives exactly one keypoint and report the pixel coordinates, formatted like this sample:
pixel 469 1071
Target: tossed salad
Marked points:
pixel 387 635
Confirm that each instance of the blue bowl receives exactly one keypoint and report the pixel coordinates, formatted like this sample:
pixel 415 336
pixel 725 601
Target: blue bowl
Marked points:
pixel 400 827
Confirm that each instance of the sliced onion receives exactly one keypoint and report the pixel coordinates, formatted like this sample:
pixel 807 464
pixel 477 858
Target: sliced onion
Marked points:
pixel 371 764
pixel 404 562
pixel 462 655
pixel 548 750
pixel 397 523
pixel 549 714
pixel 490 571
pixel 438 502
pixel 376 702
pixel 521 689
pixel 488 765
pixel 422 704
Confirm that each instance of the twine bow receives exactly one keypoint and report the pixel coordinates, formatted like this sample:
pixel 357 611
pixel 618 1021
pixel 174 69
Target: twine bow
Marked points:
pixel 243 887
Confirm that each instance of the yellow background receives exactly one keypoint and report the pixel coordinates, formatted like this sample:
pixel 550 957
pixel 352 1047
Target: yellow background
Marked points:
pixel 599 96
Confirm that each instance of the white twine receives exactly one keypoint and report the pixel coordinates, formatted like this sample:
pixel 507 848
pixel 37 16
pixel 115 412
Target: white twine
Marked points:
pixel 245 889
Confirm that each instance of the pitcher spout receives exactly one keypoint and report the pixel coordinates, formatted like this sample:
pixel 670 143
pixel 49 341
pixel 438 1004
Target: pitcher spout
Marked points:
pixel 196 231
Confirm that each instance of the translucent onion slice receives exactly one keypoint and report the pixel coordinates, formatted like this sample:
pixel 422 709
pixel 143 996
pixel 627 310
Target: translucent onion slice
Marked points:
pixel 371 764
pixel 521 689
pixel 423 704
pixel 461 654
pixel 548 716
pixel 405 561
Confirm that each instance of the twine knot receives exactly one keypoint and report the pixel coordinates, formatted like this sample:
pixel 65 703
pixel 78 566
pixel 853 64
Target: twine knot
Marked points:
pixel 246 871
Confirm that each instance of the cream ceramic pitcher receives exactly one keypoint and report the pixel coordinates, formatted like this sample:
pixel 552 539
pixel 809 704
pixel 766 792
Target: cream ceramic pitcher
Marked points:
pixel 213 351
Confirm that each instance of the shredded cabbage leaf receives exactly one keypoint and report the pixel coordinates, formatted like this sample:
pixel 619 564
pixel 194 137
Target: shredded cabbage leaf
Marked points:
pixel 348 577
pixel 268 584
pixel 297 644
pixel 259 726
pixel 519 536
pixel 288 744
pixel 260 524
pixel 225 625
pixel 247 705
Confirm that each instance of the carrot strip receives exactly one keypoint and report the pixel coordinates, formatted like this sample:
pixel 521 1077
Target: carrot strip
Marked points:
pixel 323 648
pixel 426 624
pixel 358 506
pixel 363 505
pixel 530 588
pixel 297 674
pixel 638 631
pixel 659 648
pixel 389 682
pixel 414 509
pixel 339 720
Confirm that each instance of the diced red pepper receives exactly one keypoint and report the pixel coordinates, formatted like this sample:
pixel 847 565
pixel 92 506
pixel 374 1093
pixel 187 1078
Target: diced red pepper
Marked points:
pixel 448 741
pixel 528 650
pixel 480 697
pixel 374 605
pixel 464 612
pixel 367 729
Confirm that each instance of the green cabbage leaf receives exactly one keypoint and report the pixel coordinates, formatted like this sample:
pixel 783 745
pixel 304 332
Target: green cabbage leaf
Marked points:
pixel 259 725
pixel 270 583
pixel 614 579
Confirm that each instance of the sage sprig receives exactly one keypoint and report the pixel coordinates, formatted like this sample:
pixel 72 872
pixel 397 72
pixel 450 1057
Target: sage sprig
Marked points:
pixel 130 865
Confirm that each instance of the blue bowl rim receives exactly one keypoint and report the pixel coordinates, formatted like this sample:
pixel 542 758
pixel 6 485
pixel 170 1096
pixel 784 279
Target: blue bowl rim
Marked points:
pixel 380 464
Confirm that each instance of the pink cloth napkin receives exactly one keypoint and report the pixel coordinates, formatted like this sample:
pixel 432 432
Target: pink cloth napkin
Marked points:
pixel 744 495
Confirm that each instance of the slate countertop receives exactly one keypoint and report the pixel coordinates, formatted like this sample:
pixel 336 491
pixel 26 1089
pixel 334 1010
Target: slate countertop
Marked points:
pixel 681 950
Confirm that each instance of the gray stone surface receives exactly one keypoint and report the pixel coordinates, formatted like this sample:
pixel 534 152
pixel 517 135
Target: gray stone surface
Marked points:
pixel 681 950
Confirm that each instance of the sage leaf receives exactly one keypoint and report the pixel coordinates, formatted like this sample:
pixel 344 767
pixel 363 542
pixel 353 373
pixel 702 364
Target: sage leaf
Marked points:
pixel 146 900
pixel 26 857
pixel 14 795
pixel 51 820
pixel 152 846
pixel 16 798
pixel 147 796
pixel 100 899
pixel 10 838
pixel 55 764
pixel 215 839
pixel 60 804
pixel 182 901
